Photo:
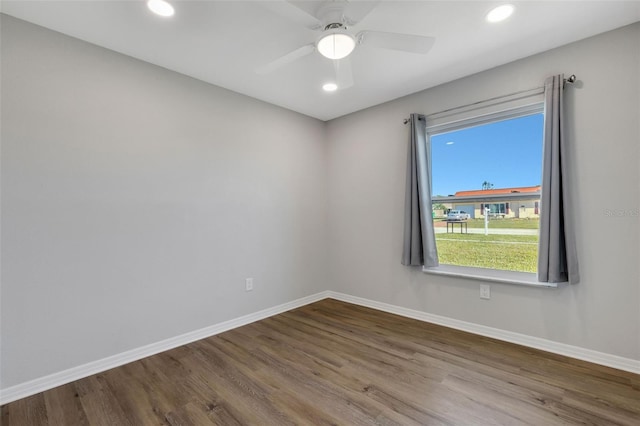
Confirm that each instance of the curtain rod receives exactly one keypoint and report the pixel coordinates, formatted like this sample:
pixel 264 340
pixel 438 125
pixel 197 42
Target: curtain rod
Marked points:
pixel 571 79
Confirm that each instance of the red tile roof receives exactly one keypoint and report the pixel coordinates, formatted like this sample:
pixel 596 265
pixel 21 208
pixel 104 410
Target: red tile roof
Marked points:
pixel 524 189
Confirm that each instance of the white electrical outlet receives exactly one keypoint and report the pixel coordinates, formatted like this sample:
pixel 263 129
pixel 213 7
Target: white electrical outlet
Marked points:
pixel 248 284
pixel 485 291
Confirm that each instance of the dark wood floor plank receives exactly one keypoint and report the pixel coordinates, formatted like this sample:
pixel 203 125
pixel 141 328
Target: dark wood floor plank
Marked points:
pixel 99 404
pixel 134 398
pixel 358 356
pixel 347 405
pixel 230 382
pixel 303 411
pixel 192 414
pixel 152 380
pixel 333 363
pixel 30 411
pixel 64 406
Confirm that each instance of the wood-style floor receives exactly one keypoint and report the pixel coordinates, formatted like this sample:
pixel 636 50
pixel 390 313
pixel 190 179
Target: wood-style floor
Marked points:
pixel 332 363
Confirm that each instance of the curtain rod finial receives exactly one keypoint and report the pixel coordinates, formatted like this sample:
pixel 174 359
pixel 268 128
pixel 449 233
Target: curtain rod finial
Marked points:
pixel 572 78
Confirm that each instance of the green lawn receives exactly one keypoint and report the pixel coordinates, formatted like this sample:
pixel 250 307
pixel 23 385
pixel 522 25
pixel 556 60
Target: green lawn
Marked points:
pixel 504 223
pixel 509 252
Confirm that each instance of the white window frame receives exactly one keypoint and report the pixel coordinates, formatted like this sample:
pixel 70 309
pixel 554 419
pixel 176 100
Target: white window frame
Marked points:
pixel 480 113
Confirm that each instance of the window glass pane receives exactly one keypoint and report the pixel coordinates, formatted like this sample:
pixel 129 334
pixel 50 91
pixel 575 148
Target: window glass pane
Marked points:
pixel 492 172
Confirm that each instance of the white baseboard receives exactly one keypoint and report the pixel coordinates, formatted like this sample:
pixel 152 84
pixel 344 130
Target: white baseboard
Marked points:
pixel 614 361
pixel 51 381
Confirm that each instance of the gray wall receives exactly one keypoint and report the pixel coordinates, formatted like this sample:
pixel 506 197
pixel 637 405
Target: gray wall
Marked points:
pixel 367 155
pixel 135 201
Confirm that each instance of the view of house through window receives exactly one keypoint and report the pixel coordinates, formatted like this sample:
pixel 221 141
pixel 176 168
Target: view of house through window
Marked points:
pixel 486 193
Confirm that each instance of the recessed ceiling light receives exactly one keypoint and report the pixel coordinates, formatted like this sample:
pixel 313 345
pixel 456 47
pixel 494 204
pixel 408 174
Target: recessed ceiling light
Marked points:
pixel 330 87
pixel 500 13
pixel 160 7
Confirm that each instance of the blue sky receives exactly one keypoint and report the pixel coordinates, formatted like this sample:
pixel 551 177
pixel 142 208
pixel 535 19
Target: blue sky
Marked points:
pixel 506 153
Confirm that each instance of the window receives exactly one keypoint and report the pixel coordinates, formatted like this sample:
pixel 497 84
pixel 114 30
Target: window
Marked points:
pixel 497 209
pixel 487 162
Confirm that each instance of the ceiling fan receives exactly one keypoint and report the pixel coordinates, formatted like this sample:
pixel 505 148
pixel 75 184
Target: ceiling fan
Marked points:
pixel 336 40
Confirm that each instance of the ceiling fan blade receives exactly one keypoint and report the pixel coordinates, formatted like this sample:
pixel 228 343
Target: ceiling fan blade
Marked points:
pixel 288 11
pixel 356 11
pixel 310 7
pixel 336 11
pixel 286 59
pixel 344 73
pixel 394 41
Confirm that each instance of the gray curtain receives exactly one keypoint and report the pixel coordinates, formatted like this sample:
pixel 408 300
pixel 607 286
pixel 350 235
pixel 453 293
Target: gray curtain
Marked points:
pixel 557 257
pixel 419 235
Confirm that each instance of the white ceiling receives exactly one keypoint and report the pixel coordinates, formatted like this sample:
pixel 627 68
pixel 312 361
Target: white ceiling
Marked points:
pixel 224 42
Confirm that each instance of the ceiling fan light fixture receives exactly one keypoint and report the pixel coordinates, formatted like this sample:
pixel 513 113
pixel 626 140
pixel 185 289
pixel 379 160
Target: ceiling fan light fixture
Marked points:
pixel 160 7
pixel 336 45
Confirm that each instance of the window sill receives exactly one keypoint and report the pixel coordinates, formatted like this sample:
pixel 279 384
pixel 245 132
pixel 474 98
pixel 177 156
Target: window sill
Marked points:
pixel 492 275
